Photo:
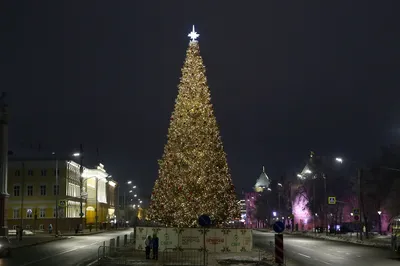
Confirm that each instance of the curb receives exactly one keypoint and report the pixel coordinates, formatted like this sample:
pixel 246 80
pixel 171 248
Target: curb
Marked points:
pixel 41 242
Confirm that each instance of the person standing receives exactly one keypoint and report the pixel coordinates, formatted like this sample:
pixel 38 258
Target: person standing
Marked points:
pixel 147 244
pixel 154 242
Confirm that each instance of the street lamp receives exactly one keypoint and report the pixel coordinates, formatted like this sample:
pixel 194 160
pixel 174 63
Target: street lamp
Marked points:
pixel 80 155
pixel 274 214
pixel 339 160
pixel 380 222
pixel 57 191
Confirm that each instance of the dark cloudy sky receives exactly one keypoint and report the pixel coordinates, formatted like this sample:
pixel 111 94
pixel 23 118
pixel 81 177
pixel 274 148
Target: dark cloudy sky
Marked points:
pixel 285 77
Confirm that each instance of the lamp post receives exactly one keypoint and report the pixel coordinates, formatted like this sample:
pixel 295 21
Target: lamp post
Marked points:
pixel 57 191
pixel 380 222
pixel 22 199
pixel 80 155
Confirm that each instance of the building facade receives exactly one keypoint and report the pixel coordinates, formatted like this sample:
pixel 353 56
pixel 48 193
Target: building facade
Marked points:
pixel 36 195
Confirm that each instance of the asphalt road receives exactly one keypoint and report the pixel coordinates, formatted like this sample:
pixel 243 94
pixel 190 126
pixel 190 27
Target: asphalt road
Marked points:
pixel 300 250
pixel 63 252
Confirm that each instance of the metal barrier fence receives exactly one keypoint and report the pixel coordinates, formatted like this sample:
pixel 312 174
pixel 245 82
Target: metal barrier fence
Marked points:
pixel 189 256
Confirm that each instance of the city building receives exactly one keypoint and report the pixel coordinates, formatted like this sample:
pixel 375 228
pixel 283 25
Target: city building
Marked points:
pixel 262 184
pixel 35 192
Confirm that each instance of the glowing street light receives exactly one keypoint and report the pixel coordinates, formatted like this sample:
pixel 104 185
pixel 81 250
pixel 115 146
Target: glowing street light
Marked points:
pixel 76 154
pixel 134 187
pixel 379 213
pixel 308 171
pixel 129 182
pixel 274 214
pixel 339 160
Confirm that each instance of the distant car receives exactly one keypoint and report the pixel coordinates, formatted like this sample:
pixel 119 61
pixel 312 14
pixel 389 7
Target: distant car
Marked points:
pixel 5 247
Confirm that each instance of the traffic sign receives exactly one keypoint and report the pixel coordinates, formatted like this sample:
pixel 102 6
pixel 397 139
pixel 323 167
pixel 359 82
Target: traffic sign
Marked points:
pixel 356 217
pixel 332 200
pixel 279 227
pixel 204 220
pixel 356 211
pixel 62 203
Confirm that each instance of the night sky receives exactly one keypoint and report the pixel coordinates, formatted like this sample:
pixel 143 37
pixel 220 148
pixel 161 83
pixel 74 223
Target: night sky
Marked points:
pixel 285 78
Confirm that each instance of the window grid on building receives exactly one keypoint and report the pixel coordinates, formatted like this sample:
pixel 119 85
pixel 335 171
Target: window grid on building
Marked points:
pixel 16 190
pixel 16 213
pixel 42 213
pixel 29 190
pixel 42 190
pixel 44 172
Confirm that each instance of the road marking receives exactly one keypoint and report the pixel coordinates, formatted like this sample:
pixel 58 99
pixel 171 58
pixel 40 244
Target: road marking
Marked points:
pixel 61 253
pixel 323 262
pixel 304 255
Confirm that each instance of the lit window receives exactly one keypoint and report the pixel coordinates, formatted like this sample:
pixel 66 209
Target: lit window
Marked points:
pixel 42 213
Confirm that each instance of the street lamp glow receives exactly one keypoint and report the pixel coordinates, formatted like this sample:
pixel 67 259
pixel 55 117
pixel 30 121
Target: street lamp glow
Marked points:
pixel 379 212
pixel 274 214
pixel 130 191
pixel 351 214
pixel 135 195
pixel 134 187
pixel 308 171
pixel 76 154
pixel 140 201
pixel 129 182
pixel 299 176
pixel 339 160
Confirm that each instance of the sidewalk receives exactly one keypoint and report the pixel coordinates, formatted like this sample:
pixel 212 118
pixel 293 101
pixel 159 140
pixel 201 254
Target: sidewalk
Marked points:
pixel 128 256
pixel 33 240
pixel 373 241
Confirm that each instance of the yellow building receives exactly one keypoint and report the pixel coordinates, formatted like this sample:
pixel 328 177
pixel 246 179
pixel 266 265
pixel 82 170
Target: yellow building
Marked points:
pixel 34 194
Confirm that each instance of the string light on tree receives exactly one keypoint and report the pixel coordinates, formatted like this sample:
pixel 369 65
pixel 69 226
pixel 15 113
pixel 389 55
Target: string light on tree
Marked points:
pixel 193 176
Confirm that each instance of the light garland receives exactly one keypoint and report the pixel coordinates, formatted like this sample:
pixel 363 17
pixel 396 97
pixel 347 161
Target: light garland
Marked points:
pixel 194 178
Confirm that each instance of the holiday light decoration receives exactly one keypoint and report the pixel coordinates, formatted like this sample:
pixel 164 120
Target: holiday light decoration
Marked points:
pixel 193 177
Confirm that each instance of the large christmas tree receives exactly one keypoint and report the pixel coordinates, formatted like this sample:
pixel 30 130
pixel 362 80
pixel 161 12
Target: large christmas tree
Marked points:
pixel 194 177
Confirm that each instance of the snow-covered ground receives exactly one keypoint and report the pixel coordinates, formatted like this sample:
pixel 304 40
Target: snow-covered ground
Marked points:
pixel 373 240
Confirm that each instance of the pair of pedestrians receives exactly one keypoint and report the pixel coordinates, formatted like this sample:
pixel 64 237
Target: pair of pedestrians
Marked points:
pixel 151 244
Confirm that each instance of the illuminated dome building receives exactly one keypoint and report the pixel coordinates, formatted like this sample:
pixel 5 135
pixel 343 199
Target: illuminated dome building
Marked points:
pixel 263 182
